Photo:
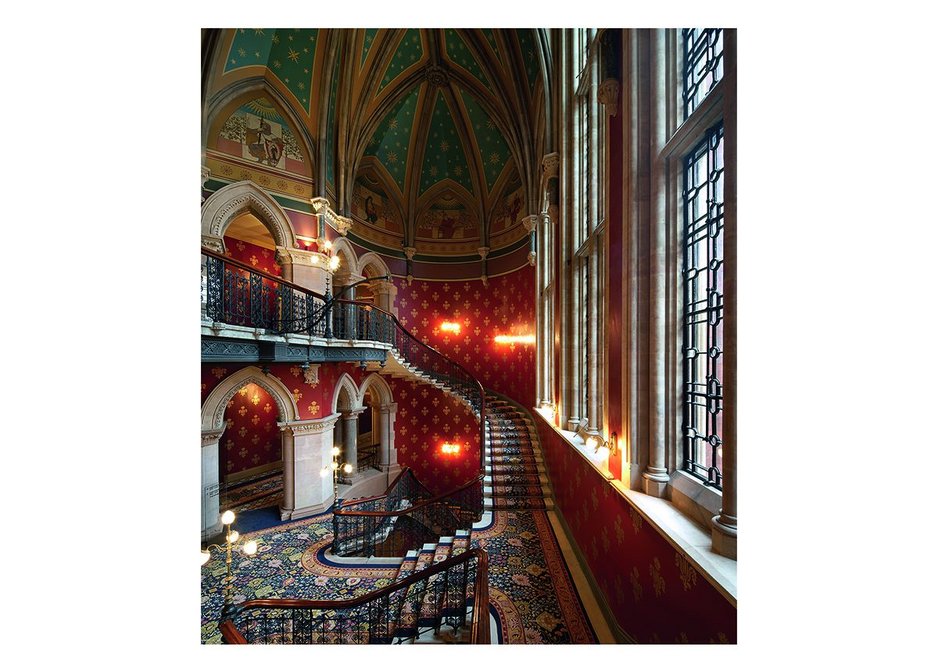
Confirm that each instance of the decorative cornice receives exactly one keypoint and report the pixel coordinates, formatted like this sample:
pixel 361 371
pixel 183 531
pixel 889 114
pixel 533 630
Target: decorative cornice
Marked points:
pixel 324 210
pixel 303 427
pixel 213 243
pixel 608 96
pixel 353 412
pixel 529 222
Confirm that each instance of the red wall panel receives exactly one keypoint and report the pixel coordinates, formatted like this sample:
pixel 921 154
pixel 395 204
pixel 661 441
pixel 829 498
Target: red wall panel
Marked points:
pixel 505 306
pixel 251 437
pixel 655 593
pixel 262 259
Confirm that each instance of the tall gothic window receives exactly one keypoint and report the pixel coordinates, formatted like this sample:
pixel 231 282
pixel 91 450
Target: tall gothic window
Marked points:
pixel 703 308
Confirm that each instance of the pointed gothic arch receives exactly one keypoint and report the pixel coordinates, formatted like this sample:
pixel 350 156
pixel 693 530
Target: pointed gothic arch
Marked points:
pixel 348 384
pixel 229 202
pixel 213 410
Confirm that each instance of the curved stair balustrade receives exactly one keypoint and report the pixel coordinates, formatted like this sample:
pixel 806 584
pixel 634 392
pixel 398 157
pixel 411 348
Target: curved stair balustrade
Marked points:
pixel 394 523
pixel 452 592
pixel 235 293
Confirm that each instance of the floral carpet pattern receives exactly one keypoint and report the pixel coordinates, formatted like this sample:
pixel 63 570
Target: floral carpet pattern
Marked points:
pixel 531 591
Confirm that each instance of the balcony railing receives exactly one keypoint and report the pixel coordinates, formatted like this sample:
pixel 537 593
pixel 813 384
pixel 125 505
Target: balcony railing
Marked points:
pixel 237 294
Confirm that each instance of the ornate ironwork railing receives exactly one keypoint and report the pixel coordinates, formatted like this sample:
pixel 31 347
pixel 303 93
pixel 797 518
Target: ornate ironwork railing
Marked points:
pixel 235 293
pixel 453 592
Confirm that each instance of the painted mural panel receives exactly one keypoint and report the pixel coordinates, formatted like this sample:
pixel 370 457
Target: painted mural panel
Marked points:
pixel 257 134
pixel 510 209
pixel 448 218
pixel 372 207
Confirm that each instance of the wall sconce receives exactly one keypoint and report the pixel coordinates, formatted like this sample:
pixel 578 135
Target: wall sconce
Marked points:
pixel 333 263
pixel 527 339
pixel 231 540
pixel 596 441
pixel 453 327
pixel 450 448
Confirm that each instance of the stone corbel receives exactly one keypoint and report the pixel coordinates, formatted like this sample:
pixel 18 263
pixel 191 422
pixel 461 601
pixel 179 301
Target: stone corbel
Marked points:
pixel 213 243
pixel 532 258
pixel 211 436
pixel 409 252
pixel 206 173
pixel 483 251
pixel 608 96
pixel 343 224
pixel 301 257
pixel 551 166
pixel 324 211
pixel 529 222
pixel 311 375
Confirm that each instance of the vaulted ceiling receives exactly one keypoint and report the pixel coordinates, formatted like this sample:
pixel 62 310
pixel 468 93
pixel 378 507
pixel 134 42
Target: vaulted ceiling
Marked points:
pixel 434 125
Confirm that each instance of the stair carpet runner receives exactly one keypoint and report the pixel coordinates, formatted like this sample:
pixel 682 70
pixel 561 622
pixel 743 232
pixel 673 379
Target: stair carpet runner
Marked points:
pixel 433 603
pixel 512 466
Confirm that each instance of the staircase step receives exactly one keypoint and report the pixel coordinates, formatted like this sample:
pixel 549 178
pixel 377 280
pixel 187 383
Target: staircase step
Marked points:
pixel 520 503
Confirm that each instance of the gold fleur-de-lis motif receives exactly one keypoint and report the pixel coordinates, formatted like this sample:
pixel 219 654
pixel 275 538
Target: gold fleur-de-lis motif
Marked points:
pixel 243 391
pixel 617 527
pixel 314 408
pixel 297 395
pixel 636 584
pixel 657 580
pixel 219 372
pixel 255 399
pixel 636 519
pixel 267 407
pixel 243 411
pixel 688 573
pixel 255 419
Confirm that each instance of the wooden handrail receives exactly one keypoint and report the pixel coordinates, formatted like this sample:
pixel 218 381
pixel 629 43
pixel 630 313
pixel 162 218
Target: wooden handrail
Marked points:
pixel 480 614
pixel 405 511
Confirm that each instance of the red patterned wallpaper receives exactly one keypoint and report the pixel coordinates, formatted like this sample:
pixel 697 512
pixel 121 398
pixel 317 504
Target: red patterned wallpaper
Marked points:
pixel 313 401
pixel 505 306
pixel 251 437
pixel 656 595
pixel 262 259
pixel 426 418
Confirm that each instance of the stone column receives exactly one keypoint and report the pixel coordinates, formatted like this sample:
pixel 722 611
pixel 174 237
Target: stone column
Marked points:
pixel 724 529
pixel 594 390
pixel 385 293
pixel 211 521
pixel 350 439
pixel 387 455
pixel 307 449
pixel 655 476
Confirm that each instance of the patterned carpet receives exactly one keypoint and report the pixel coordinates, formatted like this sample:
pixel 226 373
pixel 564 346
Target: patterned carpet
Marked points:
pixel 531 591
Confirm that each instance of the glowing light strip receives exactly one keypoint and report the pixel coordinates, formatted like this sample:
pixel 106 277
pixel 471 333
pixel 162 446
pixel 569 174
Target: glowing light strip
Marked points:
pixel 505 338
pixel 450 448
pixel 454 327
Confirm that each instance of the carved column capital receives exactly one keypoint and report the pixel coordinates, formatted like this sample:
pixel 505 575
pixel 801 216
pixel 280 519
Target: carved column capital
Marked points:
pixel 483 251
pixel 303 258
pixel 409 252
pixel 343 224
pixel 532 258
pixel 302 427
pixel 529 222
pixel 608 96
pixel 353 413
pixel 550 165
pixel 211 436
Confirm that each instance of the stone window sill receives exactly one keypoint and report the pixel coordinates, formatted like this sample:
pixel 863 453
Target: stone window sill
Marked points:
pixel 686 536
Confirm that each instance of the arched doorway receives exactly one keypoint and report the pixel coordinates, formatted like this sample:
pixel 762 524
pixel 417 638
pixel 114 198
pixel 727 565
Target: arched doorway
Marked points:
pixel 214 425
pixel 345 433
pixel 250 453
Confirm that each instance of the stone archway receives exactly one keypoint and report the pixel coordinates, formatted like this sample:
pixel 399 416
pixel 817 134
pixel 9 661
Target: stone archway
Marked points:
pixel 231 201
pixel 213 426
pixel 387 414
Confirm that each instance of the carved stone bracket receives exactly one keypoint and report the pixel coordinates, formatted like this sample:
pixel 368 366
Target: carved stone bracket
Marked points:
pixel 409 252
pixel 532 258
pixel 483 251
pixel 608 96
pixel 343 224
pixel 213 243
pixel 324 210
pixel 311 375
pixel 551 165
pixel 529 222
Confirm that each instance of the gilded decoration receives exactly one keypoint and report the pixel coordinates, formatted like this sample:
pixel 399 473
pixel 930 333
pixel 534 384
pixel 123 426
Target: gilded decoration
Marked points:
pixel 687 571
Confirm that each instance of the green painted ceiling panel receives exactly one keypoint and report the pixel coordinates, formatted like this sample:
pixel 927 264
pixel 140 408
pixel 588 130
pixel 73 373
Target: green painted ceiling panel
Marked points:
pixel 366 47
pixel 445 157
pixel 459 53
pixel 331 130
pixel 409 51
pixel 492 144
pixel 289 54
pixel 490 37
pixel 529 56
pixel 392 138
pixel 250 46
